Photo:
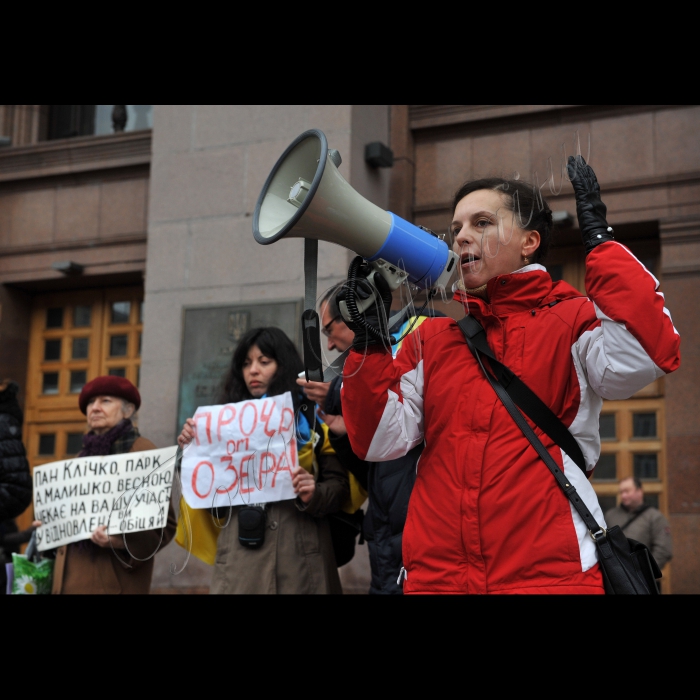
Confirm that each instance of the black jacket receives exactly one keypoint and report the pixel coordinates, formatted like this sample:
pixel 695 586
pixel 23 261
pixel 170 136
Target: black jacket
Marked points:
pixel 15 478
pixel 389 485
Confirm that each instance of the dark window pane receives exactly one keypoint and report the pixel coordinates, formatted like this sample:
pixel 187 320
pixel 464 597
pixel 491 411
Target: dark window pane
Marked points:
pixel 54 318
pixel 607 426
pixel 66 121
pixel 646 466
pixel 118 345
pixel 607 502
pixel 141 312
pixel 121 311
pixel 50 383
pixel 81 316
pixel 606 469
pixel 77 381
pixel 117 372
pixel 556 272
pixel 140 338
pixel 52 350
pixel 652 499
pixel 47 444
pixel 74 443
pixel 81 347
pixel 644 425
pixel 138 376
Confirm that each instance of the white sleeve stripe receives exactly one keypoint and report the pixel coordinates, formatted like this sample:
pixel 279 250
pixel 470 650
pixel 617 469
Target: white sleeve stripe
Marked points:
pixel 401 425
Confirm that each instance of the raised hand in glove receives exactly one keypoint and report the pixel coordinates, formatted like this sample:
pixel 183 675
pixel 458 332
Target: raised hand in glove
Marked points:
pixel 369 325
pixel 590 209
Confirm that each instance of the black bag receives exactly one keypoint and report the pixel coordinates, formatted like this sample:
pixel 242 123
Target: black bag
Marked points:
pixel 251 526
pixel 628 566
pixel 345 528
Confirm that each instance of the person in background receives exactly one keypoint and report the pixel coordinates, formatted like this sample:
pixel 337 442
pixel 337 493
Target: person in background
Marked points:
pixel 15 477
pixel 296 555
pixel 116 564
pixel 642 522
pixel 388 484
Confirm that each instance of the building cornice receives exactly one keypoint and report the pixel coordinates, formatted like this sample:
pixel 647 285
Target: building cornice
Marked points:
pixel 435 116
pixel 75 155
pixel 81 244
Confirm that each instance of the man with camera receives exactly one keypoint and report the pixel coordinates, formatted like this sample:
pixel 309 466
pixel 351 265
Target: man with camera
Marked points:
pixel 388 484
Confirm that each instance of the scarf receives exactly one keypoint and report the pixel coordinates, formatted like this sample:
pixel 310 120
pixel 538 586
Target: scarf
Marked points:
pixel 101 445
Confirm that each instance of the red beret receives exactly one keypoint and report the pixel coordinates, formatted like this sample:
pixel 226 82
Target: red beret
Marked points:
pixel 109 386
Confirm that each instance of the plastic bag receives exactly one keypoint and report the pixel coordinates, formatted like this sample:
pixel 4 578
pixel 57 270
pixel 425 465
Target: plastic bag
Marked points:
pixel 31 573
pixel 31 577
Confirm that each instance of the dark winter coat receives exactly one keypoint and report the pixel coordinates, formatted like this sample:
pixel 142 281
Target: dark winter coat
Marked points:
pixel 15 478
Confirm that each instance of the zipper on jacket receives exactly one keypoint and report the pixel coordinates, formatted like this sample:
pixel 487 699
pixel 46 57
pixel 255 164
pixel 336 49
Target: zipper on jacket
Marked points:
pixel 403 574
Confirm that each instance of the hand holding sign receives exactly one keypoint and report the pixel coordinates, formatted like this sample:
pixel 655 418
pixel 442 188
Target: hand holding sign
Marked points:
pixel 304 484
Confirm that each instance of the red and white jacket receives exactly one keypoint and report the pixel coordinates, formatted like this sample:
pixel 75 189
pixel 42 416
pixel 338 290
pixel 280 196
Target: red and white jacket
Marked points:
pixel 486 515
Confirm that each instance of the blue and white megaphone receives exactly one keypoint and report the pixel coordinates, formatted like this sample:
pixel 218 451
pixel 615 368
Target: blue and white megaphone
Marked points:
pixel 306 197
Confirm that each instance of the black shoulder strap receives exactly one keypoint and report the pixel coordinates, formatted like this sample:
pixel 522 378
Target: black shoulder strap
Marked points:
pixel 634 517
pixel 526 399
pixel 598 533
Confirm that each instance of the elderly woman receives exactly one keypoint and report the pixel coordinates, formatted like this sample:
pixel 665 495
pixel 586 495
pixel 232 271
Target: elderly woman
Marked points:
pixel 92 566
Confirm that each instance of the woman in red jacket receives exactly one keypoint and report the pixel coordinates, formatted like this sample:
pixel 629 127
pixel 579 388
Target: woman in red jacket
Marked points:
pixel 486 515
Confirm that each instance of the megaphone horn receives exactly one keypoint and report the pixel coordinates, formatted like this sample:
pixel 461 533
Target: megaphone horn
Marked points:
pixel 305 196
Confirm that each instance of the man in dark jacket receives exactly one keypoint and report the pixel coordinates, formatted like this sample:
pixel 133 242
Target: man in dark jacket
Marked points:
pixel 641 521
pixel 388 484
pixel 15 478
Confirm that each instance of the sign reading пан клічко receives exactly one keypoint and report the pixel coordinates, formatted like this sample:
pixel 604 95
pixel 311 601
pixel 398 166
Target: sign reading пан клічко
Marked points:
pixel 128 492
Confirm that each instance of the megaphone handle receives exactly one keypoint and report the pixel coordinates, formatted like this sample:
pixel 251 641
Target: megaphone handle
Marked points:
pixel 311 333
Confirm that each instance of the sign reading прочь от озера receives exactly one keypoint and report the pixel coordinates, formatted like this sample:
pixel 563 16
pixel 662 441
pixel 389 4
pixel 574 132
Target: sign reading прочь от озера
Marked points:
pixel 241 453
pixel 127 492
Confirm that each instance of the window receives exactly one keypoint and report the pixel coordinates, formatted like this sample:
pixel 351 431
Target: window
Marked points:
pixel 54 318
pixel 77 381
pixel 74 443
pixel 52 350
pixel 50 383
pixel 81 348
pixel 121 310
pixel 607 426
pixel 67 121
pixel 632 444
pixel 47 444
pixel 118 345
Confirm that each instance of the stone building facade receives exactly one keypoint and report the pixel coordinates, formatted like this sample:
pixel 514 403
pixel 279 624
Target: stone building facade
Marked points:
pixel 121 239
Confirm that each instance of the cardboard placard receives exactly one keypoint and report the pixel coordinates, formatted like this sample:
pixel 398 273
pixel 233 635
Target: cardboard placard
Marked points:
pixel 242 453
pixel 128 492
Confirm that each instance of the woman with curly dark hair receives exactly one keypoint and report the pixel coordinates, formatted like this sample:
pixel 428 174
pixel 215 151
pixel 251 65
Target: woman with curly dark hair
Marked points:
pixel 296 555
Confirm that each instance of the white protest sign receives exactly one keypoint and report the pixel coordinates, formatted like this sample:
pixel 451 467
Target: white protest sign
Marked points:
pixel 241 453
pixel 128 493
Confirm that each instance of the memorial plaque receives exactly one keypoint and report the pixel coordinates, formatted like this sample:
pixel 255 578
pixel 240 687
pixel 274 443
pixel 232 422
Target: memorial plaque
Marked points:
pixel 211 334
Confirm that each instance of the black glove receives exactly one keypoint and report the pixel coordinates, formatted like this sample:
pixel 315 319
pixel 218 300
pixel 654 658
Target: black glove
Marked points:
pixel 590 209
pixel 370 325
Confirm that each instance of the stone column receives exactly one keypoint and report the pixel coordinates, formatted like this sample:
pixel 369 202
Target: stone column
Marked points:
pixel 680 271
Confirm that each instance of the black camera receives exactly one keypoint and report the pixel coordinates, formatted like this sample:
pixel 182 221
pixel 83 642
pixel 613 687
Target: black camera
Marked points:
pixel 251 526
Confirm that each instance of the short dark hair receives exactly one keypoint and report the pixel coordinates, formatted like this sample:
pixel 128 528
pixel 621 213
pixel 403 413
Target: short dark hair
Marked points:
pixel 273 343
pixel 637 482
pixel 533 210
pixel 330 297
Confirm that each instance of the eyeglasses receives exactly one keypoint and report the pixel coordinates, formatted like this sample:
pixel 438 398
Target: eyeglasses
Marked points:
pixel 326 330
